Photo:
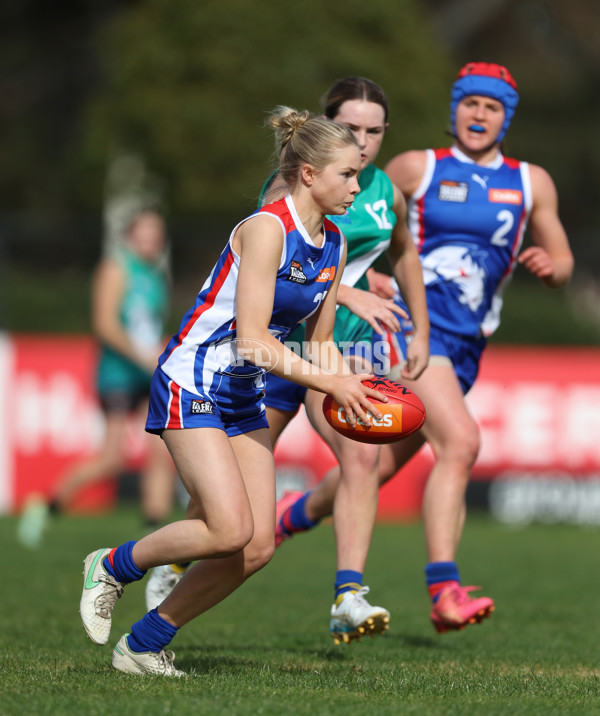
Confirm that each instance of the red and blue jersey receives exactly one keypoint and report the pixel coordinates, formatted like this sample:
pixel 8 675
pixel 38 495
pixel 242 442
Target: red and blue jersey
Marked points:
pixel 468 222
pixel 202 357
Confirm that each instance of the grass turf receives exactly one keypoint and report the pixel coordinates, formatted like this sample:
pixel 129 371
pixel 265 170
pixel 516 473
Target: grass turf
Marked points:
pixel 266 650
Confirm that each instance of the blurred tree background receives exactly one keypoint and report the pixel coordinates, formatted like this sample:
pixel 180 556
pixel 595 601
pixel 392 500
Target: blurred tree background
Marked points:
pixel 169 99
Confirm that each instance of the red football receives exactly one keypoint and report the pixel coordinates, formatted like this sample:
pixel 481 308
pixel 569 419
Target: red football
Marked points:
pixel 402 415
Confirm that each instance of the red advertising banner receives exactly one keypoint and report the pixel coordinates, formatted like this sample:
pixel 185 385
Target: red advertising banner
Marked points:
pixel 538 410
pixel 51 418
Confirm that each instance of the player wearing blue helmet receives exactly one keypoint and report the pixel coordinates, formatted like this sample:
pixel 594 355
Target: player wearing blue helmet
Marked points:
pixel 468 210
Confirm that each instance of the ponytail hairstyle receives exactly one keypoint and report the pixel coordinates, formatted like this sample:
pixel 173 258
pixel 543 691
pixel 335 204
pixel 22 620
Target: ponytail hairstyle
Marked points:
pixel 305 138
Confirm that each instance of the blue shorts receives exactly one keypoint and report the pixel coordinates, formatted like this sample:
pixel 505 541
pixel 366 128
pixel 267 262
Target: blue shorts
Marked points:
pixel 283 394
pixel 172 407
pixel 463 352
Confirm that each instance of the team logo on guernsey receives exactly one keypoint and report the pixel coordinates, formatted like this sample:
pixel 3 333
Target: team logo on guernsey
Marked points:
pixel 202 407
pixel 326 274
pixel 505 196
pixel 297 274
pixel 453 191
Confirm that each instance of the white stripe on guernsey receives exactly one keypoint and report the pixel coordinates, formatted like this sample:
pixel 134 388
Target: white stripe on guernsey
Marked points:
pixel 179 366
pixel 355 269
pixel 413 217
pixel 527 194
pixel 427 174
pixel 496 162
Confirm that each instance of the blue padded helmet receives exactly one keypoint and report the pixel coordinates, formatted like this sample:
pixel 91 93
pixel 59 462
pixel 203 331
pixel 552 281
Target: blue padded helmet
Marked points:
pixel 488 80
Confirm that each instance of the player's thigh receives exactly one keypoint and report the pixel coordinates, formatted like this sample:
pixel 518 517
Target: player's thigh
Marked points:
pixel 278 420
pixel 209 469
pixel 255 457
pixel 448 419
pixel 349 453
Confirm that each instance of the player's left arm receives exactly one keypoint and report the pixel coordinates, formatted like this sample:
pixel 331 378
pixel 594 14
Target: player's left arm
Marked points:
pixel 550 258
pixel 406 268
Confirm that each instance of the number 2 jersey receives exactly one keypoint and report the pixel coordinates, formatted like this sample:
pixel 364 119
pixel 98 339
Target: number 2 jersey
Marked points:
pixel 468 223
pixel 202 358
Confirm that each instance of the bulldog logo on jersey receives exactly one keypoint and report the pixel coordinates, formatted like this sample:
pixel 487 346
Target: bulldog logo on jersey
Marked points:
pixel 460 266
pixel 202 407
pixel 456 191
pixel 297 274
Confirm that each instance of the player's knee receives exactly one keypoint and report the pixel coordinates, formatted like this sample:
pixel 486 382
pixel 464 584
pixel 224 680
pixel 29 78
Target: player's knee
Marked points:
pixel 464 446
pixel 258 554
pixel 361 457
pixel 231 535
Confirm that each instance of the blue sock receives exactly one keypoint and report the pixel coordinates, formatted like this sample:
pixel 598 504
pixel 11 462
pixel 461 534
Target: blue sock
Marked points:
pixel 120 565
pixel 347 580
pixel 151 633
pixel 295 520
pixel 437 573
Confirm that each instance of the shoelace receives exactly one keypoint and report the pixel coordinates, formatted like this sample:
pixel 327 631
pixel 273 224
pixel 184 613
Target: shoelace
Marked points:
pixel 165 661
pixel 106 601
pixel 461 594
pixel 360 595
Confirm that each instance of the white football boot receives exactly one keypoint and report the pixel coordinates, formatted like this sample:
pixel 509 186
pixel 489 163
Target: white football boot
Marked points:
pixel 148 662
pixel 354 618
pixel 160 584
pixel 99 596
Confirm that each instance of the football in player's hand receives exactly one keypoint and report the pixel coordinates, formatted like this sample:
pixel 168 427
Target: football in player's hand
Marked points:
pixel 402 415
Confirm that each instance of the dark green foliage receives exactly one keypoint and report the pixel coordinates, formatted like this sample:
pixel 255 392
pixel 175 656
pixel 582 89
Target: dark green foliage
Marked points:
pixel 188 85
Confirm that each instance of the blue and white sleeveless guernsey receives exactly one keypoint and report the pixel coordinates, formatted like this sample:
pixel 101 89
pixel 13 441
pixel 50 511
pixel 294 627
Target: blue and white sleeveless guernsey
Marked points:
pixel 468 223
pixel 201 380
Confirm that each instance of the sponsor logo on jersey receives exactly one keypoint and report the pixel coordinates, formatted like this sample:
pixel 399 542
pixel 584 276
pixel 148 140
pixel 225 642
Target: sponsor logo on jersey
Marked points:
pixel 506 196
pixel 297 274
pixel 326 274
pixel 453 191
pixel 202 407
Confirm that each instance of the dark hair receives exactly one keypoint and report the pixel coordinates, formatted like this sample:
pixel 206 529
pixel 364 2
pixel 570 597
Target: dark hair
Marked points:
pixel 353 88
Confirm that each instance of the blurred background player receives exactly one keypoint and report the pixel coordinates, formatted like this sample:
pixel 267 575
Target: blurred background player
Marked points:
pixel 129 306
pixel 468 209
pixel 281 267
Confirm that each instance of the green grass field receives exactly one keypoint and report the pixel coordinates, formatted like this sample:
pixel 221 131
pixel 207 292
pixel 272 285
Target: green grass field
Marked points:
pixel 267 650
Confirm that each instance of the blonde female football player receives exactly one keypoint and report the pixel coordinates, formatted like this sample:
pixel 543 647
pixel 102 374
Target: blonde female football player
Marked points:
pixel 374 225
pixel 281 266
